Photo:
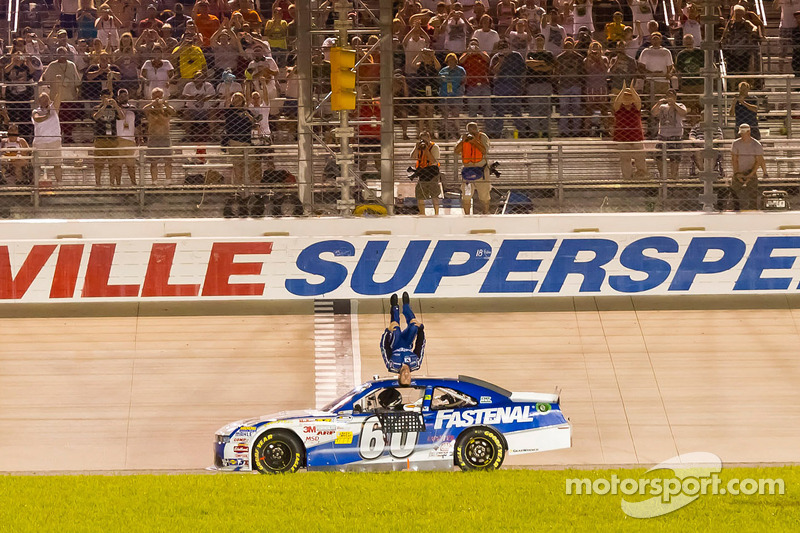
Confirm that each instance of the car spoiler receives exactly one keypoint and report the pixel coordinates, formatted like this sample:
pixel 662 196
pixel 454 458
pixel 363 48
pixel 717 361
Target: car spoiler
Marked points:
pixel 555 397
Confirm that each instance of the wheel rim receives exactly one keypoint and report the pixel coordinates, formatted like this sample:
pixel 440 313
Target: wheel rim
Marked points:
pixel 479 452
pixel 277 456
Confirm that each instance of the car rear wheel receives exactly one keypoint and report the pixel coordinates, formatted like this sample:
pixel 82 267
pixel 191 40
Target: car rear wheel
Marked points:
pixel 479 449
pixel 277 453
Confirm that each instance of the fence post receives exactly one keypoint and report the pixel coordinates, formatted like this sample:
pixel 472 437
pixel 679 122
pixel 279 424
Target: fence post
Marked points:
pixel 35 160
pixel 560 175
pixel 788 107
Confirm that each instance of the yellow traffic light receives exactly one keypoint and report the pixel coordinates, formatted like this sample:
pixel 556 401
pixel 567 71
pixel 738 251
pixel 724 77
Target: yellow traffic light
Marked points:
pixel 343 79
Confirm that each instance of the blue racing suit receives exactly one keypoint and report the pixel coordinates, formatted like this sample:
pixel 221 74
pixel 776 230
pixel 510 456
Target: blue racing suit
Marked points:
pixel 399 347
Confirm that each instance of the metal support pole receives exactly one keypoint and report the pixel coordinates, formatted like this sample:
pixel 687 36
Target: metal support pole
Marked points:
pixel 344 132
pixel 305 149
pixel 387 107
pixel 709 198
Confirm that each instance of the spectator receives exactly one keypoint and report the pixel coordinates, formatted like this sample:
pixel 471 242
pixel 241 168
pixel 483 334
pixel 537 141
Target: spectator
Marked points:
pixel 159 145
pixel 477 86
pixel 126 59
pixel 260 106
pixel 178 21
pixel 473 147
pixel 128 135
pixel 87 15
pixel 60 40
pixel 425 87
pixel 596 89
pixel 166 35
pixel 658 66
pixel 236 136
pixel 148 40
pixel 151 20
pixel 63 74
pixel 622 69
pixel 540 63
pixel 519 37
pixel 744 110
pixel 400 94
pixel 436 23
pixel 569 72
pixel 486 36
pixel 476 20
pixel 505 10
pixel 456 29
pixel 125 11
pixel 689 64
pixel 633 42
pixel 554 33
pixel 261 72
pixel 583 39
pixel 628 133
pixel 426 155
pixel 99 75
pixel 787 25
pixel 615 30
pixel 697 134
pixel 191 60
pixel 156 72
pixel 198 95
pixel 108 27
pixel 508 71
pixel 670 114
pixel 68 18
pixel 643 12
pixel 451 90
pixel 739 42
pixel 227 50
pixel 369 134
pixel 47 129
pixel 15 156
pixel 227 88
pixel 414 42
pixel 691 26
pixel 207 24
pixel 747 156
pixel 582 15
pixel 251 16
pixel 105 118
pixel 19 86
pixel 276 30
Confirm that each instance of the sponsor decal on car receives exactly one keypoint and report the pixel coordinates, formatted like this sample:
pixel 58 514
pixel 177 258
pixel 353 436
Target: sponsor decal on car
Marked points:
pixel 493 415
pixel 344 437
pixel 240 439
pixel 237 462
pixel 241 449
pixel 486 399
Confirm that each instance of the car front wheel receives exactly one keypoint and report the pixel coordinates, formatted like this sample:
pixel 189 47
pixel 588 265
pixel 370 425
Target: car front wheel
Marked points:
pixel 277 453
pixel 479 449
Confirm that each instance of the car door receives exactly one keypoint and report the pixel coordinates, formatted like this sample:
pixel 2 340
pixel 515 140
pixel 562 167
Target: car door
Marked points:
pixel 361 442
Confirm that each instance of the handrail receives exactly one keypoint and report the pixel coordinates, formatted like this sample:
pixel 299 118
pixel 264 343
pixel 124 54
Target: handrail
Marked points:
pixel 13 13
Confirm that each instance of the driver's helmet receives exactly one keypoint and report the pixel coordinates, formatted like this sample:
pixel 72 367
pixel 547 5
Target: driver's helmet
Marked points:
pixel 444 401
pixel 390 398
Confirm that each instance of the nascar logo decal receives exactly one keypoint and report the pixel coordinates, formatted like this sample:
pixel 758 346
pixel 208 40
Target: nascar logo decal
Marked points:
pixel 495 415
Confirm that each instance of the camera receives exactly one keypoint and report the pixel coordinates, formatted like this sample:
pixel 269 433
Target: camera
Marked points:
pixel 493 169
pixel 413 173
pixel 423 145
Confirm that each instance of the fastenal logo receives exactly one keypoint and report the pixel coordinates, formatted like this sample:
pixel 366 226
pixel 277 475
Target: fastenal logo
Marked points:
pixel 693 475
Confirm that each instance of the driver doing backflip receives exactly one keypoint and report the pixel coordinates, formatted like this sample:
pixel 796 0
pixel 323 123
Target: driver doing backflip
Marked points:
pixel 403 350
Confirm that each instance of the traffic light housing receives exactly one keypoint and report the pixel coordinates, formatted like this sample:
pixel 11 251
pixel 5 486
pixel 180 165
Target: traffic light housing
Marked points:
pixel 343 79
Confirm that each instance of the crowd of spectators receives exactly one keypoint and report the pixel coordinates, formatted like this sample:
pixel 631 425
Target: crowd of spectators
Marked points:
pixel 223 68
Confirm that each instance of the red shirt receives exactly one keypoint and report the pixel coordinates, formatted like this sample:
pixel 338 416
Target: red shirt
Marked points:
pixel 370 111
pixel 628 124
pixel 477 67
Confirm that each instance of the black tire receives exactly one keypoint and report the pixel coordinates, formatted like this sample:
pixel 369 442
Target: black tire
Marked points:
pixel 479 449
pixel 277 453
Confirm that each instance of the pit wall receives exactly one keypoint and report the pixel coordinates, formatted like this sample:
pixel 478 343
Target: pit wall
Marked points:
pixel 49 261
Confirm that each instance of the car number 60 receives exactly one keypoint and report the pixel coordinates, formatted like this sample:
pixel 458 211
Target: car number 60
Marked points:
pixel 372 442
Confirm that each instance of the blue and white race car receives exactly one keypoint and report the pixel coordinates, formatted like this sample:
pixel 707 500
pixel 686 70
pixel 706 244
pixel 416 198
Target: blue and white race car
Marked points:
pixel 434 423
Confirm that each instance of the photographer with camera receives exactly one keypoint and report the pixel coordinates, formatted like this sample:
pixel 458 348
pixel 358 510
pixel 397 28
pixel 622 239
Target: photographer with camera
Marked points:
pixel 105 118
pixel 473 147
pixel 426 170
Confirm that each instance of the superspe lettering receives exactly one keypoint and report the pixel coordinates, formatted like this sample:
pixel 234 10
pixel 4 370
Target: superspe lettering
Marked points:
pixel 490 416
pixel 548 266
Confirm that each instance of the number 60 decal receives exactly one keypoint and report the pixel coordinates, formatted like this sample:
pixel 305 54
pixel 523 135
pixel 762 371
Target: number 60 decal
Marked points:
pixel 372 442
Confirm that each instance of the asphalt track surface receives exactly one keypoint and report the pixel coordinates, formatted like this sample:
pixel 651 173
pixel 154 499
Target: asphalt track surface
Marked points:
pixel 142 388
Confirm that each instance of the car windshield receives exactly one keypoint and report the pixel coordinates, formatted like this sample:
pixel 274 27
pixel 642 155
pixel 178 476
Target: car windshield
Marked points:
pixel 337 404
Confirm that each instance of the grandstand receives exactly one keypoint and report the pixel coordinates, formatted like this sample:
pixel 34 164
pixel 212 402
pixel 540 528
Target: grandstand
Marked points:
pixel 550 117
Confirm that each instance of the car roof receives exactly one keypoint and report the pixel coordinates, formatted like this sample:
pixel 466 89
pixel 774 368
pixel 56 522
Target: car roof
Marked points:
pixel 424 381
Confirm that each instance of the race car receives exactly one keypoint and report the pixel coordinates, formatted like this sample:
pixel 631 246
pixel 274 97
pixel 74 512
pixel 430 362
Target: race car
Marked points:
pixel 433 424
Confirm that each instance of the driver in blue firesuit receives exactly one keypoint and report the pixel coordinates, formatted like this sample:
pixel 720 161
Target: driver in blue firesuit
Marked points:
pixel 403 350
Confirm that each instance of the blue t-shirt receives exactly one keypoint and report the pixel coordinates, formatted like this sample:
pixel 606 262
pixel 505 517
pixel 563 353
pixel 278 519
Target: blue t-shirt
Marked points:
pixel 452 81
